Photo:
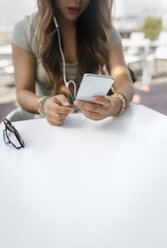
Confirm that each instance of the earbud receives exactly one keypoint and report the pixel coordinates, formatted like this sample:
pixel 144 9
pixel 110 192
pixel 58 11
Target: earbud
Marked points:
pixel 55 22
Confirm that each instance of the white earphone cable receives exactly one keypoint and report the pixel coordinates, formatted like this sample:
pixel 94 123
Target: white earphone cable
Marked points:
pixel 67 84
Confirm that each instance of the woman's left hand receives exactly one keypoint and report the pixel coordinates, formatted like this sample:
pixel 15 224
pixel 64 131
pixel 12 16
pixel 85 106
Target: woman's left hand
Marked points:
pixel 103 107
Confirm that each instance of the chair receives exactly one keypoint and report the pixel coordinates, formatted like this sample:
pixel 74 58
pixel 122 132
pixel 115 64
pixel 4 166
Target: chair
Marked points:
pixel 137 35
pixel 19 114
pixel 9 70
pixel 5 49
pixel 5 64
pixel 137 51
pixel 134 52
pixel 161 50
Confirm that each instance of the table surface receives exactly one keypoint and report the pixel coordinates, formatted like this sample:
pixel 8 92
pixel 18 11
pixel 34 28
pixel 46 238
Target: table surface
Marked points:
pixel 86 184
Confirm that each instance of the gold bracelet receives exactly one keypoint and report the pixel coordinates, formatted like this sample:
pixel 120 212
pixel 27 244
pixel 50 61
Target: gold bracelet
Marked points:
pixel 123 101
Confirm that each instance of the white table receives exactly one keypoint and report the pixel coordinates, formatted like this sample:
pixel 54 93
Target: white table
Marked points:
pixel 86 184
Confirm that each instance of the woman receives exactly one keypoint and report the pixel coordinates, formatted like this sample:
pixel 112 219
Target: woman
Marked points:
pixel 89 44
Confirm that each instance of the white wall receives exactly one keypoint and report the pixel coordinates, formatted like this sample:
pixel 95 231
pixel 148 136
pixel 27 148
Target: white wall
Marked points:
pixel 137 7
pixel 13 10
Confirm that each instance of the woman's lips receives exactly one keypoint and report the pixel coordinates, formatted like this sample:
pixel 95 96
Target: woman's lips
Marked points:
pixel 73 10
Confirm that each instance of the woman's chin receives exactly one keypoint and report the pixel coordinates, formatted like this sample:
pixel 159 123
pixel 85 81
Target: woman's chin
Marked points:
pixel 71 18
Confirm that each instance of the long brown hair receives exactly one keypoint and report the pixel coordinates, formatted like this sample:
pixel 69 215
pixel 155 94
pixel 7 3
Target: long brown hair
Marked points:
pixel 92 32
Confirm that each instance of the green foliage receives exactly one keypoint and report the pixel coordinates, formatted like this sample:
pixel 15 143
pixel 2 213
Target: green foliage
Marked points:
pixel 152 27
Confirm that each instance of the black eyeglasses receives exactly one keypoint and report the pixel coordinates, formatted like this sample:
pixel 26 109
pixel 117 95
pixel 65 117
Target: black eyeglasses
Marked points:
pixel 11 135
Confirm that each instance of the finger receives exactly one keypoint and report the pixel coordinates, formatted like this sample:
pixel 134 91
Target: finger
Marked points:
pixel 83 105
pixel 55 115
pixel 92 115
pixel 55 121
pixel 62 100
pixel 62 105
pixel 103 100
pixel 56 108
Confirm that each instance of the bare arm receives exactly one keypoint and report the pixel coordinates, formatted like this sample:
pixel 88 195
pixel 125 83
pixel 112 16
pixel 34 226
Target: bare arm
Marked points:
pixel 120 72
pixel 106 106
pixel 25 74
pixel 56 108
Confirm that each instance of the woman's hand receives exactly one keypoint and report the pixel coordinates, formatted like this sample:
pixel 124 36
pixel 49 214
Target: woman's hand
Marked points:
pixel 56 109
pixel 102 108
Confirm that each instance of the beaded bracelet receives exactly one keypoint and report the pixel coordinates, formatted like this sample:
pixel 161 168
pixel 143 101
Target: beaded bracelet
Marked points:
pixel 123 101
pixel 40 104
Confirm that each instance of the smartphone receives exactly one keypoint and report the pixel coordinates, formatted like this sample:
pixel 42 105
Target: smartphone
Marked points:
pixel 94 85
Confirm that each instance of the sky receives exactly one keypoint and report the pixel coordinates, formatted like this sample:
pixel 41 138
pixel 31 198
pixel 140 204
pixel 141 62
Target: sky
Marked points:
pixel 13 10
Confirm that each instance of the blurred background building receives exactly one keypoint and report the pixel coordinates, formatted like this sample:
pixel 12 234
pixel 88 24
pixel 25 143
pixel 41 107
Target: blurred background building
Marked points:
pixel 129 15
pixel 145 50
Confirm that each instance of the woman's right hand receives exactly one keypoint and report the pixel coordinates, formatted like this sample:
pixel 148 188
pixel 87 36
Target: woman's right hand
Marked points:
pixel 56 108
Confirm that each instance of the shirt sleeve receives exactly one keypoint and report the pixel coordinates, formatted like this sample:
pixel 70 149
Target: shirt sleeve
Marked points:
pixel 114 38
pixel 21 35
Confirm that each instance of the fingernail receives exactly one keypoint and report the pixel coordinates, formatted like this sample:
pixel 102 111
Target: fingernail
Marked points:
pixel 66 104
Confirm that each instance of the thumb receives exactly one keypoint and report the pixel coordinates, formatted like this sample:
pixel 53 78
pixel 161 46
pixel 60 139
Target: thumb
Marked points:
pixel 62 100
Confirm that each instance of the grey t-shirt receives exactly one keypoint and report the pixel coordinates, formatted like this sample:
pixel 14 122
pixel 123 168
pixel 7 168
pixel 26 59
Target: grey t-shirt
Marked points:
pixel 23 37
